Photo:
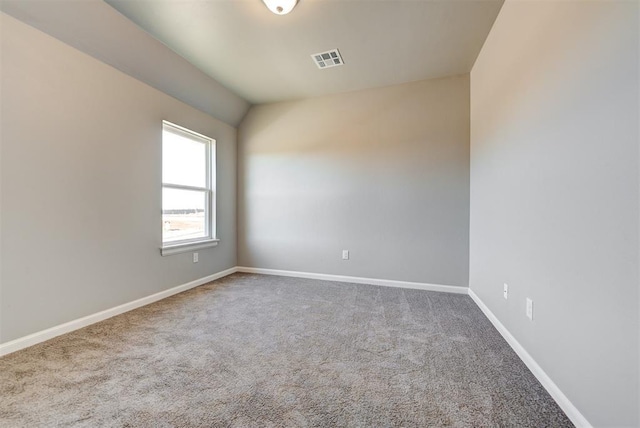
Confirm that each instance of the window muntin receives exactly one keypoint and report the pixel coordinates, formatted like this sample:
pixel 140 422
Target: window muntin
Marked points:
pixel 188 194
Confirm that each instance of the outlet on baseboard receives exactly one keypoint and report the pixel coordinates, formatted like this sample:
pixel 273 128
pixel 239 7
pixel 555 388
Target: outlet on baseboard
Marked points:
pixel 345 254
pixel 195 257
pixel 505 291
pixel 530 309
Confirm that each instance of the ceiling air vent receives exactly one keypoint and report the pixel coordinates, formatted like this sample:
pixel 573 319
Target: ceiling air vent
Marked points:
pixel 328 59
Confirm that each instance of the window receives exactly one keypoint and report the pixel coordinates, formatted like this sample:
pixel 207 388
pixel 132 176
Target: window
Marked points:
pixel 188 190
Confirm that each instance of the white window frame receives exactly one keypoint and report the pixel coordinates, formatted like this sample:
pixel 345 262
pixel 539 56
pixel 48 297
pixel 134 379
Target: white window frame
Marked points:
pixel 210 239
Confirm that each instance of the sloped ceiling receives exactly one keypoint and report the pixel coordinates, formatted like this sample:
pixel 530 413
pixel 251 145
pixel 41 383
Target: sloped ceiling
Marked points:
pixel 265 57
pixel 97 29
pixel 221 55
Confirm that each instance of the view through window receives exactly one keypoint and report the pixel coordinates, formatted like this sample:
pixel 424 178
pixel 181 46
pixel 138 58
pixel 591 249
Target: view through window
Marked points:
pixel 187 186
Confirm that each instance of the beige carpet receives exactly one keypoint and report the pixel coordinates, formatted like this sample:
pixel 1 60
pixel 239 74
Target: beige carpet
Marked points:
pixel 262 351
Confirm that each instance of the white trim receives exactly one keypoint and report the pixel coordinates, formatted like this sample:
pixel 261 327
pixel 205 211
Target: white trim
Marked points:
pixel 184 132
pixel 209 191
pixel 185 247
pixel 185 187
pixel 50 333
pixel 571 411
pixel 357 280
pixel 567 406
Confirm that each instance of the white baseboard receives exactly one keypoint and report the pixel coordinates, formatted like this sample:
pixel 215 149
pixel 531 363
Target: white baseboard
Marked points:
pixel 357 280
pixel 50 333
pixel 571 411
pixel 567 406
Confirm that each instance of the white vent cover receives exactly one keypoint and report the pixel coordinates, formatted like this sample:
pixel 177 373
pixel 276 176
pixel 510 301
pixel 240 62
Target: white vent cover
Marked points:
pixel 328 59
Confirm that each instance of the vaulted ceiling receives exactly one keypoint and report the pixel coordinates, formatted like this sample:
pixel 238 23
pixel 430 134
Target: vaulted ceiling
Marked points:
pixel 222 55
pixel 265 57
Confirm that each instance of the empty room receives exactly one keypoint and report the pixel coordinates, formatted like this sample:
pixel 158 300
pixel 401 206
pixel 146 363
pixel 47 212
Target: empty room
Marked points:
pixel 319 213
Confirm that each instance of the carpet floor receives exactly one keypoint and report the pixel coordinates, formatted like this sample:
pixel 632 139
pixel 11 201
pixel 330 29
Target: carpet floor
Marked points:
pixel 265 351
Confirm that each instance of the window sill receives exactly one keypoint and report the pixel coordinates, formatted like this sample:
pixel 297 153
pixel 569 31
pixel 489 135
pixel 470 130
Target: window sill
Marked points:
pixel 188 246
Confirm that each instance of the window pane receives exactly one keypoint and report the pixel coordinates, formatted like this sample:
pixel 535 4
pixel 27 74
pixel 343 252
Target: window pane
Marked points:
pixel 183 214
pixel 184 160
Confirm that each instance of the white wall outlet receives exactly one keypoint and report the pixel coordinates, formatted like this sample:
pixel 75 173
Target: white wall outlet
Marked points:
pixel 345 254
pixel 530 309
pixel 505 291
pixel 195 257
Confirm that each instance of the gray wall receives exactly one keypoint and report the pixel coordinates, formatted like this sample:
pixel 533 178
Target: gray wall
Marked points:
pixel 99 30
pixel 80 177
pixel 383 173
pixel 554 194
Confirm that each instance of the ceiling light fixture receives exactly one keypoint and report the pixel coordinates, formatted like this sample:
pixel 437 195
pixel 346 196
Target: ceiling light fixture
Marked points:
pixel 280 7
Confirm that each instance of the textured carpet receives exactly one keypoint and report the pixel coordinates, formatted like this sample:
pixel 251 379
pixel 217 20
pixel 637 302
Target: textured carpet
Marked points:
pixel 252 350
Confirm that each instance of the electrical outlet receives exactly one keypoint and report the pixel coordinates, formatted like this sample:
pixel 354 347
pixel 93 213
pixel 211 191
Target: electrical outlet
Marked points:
pixel 530 309
pixel 505 292
pixel 345 254
pixel 195 257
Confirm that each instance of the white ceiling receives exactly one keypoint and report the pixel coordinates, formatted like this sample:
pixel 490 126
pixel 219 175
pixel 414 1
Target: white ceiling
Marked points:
pixel 266 58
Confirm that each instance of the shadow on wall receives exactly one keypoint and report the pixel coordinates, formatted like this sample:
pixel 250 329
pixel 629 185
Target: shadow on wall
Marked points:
pixel 353 122
pixel 383 172
pixel 532 63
